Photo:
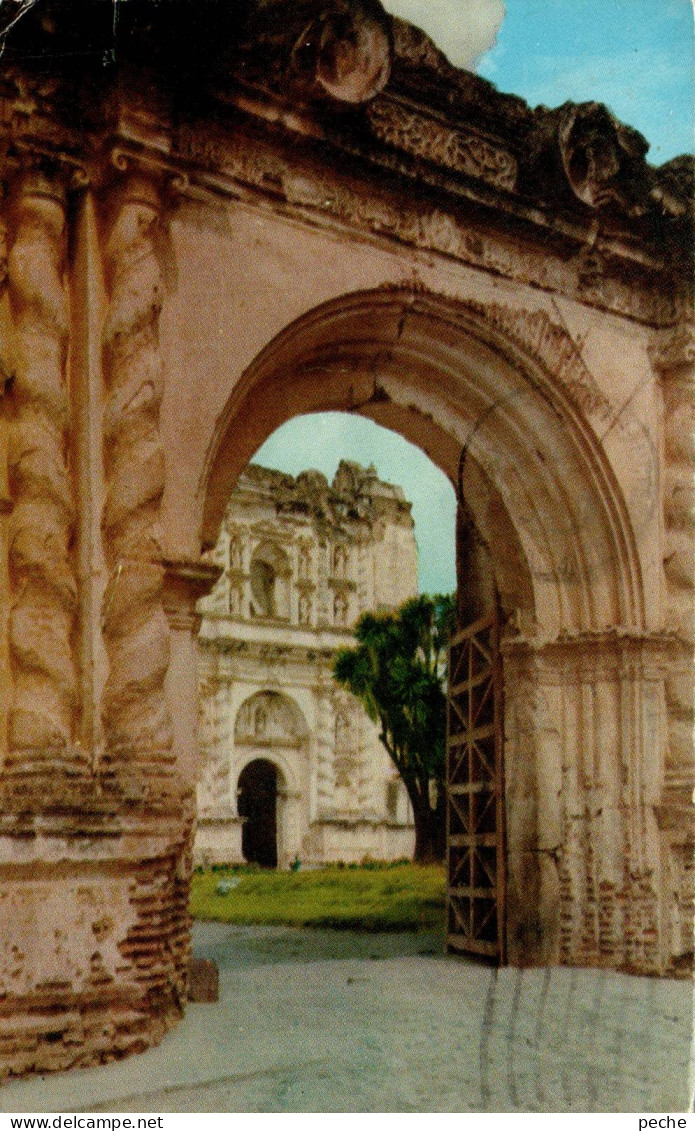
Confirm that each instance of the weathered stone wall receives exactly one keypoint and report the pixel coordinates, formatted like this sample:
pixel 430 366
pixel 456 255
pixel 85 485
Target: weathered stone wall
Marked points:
pixel 94 883
pixel 584 716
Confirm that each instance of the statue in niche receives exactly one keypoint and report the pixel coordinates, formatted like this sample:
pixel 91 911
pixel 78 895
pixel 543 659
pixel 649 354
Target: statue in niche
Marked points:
pixel 269 717
pixel 345 764
pixel 260 722
pixel 235 600
pixel 340 610
pixel 342 736
pixel 263 588
pixel 304 610
pixel 304 566
pixel 235 553
pixel 340 560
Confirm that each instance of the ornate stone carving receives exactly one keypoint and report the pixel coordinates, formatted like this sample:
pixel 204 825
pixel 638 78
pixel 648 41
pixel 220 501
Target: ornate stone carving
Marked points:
pixel 317 49
pixel 599 155
pixel 347 760
pixel 137 726
pixel 585 149
pixel 269 719
pixel 673 186
pixel 551 344
pixel 333 196
pixel 673 347
pixel 42 581
pixel 421 135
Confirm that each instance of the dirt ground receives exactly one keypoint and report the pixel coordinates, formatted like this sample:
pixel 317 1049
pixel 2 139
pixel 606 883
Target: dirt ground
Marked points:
pixel 329 1021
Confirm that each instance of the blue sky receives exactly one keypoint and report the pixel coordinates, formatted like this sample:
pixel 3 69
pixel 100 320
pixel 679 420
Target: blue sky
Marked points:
pixel 635 55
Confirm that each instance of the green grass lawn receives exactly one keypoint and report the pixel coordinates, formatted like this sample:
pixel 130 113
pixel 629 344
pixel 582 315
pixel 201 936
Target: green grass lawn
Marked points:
pixel 388 897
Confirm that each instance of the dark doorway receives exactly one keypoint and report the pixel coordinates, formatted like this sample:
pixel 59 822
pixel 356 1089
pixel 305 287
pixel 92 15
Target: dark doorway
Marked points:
pixel 258 793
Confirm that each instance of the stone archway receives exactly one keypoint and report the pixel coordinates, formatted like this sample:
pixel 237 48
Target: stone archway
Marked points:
pixel 183 278
pixel 471 386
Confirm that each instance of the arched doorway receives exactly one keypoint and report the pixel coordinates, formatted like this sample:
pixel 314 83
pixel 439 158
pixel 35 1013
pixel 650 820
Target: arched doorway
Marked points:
pixel 544 533
pixel 257 803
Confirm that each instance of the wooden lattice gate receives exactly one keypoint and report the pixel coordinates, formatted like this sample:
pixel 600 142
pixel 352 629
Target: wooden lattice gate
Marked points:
pixel 475 793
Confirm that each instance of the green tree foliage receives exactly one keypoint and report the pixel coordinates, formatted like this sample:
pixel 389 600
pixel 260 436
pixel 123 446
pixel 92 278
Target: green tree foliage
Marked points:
pixel 398 671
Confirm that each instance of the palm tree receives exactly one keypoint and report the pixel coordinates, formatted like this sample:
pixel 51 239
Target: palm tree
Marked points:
pixel 398 671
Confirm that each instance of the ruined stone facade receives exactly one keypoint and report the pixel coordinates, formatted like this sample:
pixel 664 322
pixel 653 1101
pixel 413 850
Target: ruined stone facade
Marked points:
pixel 301 562
pixel 210 226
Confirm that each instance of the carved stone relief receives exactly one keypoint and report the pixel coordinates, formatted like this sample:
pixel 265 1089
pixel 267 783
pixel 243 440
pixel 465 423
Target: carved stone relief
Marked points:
pixel 269 719
pixel 462 151
pixel 346 760
pixel 600 160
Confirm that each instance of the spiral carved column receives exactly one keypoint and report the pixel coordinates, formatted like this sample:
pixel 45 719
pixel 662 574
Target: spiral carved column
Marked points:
pixel 42 581
pixel 137 725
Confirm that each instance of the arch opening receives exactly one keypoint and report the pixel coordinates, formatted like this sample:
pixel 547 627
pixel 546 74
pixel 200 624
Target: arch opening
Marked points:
pixel 487 412
pixel 543 531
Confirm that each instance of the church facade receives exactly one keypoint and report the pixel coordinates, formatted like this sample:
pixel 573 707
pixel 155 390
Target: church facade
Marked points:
pixel 293 767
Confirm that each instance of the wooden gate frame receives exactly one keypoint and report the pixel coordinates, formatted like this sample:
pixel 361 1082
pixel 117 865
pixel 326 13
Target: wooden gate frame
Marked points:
pixel 475 834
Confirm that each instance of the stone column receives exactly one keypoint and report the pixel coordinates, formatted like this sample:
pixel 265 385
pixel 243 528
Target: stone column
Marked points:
pixel 137 723
pixel 185 583
pixel 673 358
pixel 86 383
pixel 585 737
pixel 94 866
pixel 43 589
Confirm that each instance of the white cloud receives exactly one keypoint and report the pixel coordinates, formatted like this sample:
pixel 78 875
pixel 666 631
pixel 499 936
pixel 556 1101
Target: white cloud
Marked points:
pixel 462 29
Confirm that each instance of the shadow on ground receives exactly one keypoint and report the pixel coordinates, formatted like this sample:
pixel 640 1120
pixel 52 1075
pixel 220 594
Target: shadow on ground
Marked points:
pixel 329 1021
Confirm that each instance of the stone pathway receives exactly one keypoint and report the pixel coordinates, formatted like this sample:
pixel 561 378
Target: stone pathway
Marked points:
pixel 330 1021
